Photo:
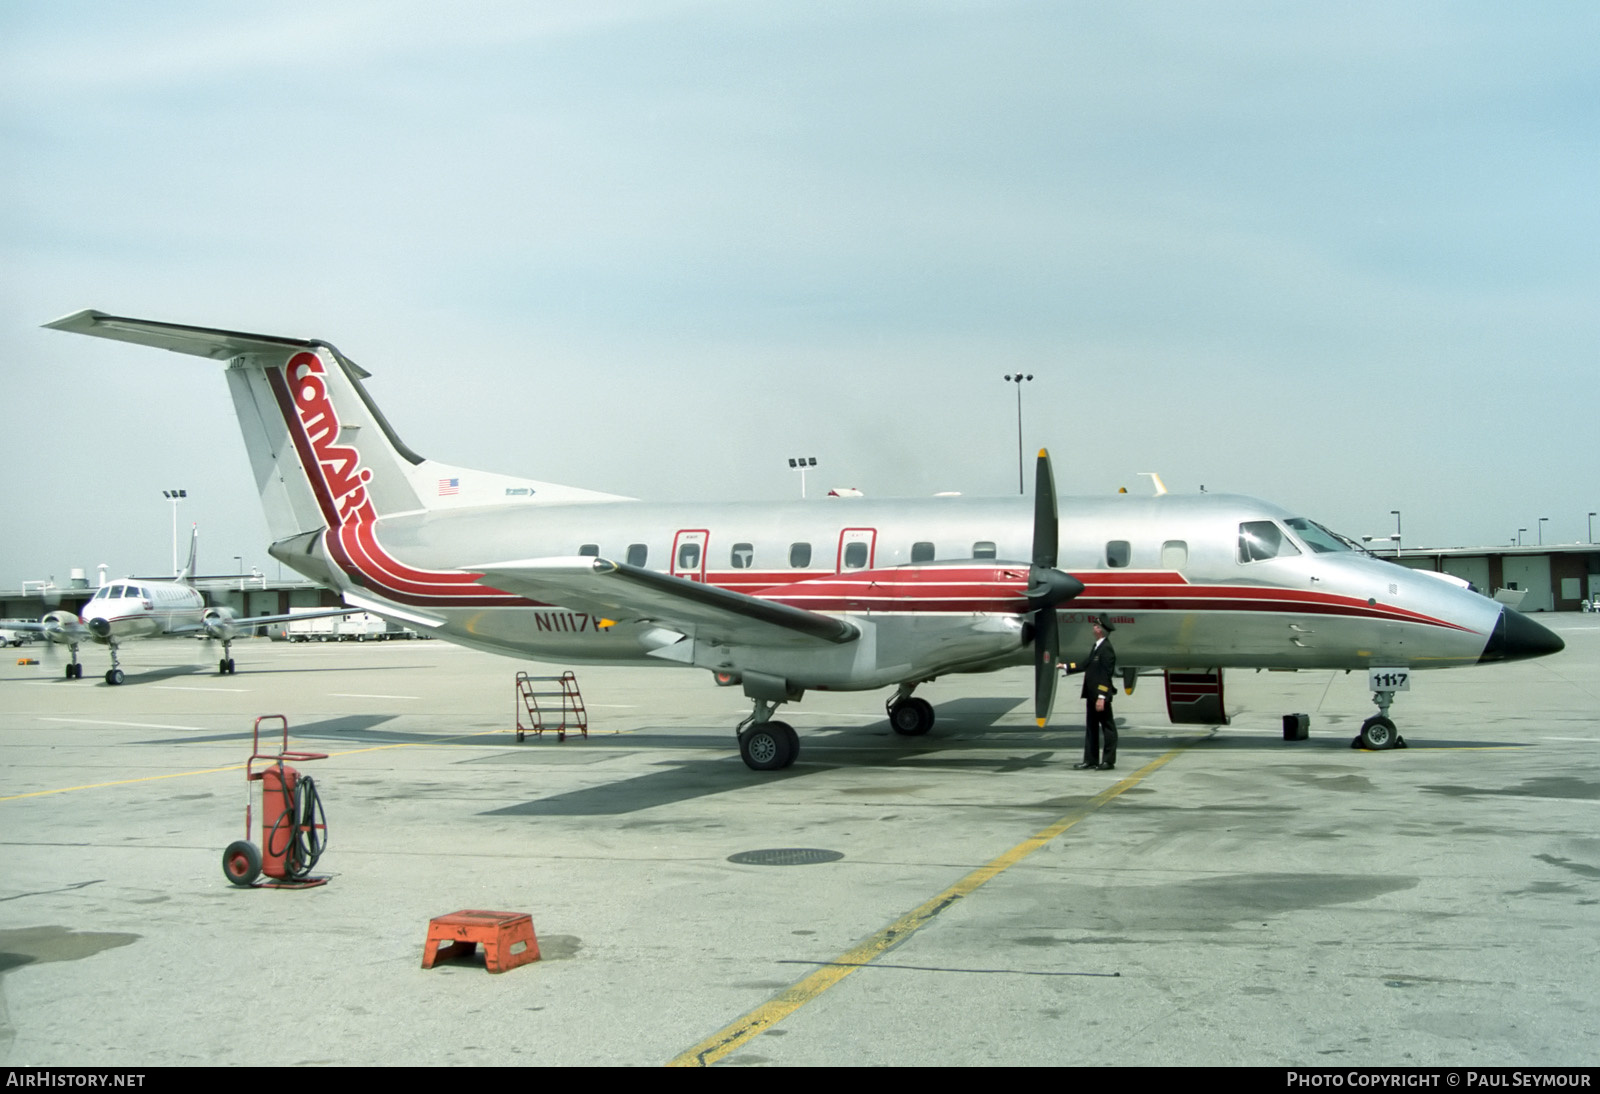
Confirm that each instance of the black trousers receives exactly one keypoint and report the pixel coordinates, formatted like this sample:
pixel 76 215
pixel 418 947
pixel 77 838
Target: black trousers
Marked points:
pixel 1099 734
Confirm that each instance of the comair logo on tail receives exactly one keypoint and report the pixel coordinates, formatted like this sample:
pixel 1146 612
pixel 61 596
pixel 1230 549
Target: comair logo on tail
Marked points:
pixel 340 484
pixel 344 480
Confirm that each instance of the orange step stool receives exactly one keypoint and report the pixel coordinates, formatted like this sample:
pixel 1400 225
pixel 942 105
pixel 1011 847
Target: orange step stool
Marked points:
pixel 500 933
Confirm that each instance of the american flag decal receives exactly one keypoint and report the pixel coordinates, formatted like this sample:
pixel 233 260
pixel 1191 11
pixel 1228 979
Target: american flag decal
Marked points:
pixel 449 486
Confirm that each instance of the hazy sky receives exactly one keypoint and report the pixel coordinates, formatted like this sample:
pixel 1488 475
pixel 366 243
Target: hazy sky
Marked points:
pixel 1342 256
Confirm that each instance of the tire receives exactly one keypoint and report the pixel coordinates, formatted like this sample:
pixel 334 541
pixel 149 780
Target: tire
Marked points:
pixel 114 677
pixel 911 718
pixel 241 863
pixel 770 746
pixel 1378 734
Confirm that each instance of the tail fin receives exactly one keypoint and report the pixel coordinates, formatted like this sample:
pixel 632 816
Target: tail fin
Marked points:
pixel 186 574
pixel 322 452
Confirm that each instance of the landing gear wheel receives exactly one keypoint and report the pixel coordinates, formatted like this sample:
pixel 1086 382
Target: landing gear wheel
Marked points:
pixel 241 863
pixel 912 717
pixel 770 746
pixel 225 666
pixel 74 671
pixel 114 677
pixel 1377 734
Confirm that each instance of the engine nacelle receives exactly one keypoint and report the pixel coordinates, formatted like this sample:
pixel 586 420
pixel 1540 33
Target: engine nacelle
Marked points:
pixel 220 623
pixel 58 627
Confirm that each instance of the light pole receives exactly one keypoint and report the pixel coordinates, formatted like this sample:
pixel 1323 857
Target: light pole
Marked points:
pixel 1541 530
pixel 1395 513
pixel 238 565
pixel 1591 526
pixel 800 463
pixel 1017 379
pixel 1519 536
pixel 174 496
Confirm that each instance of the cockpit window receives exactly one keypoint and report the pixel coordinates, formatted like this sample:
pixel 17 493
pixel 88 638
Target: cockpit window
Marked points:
pixel 101 593
pixel 1262 539
pixel 1321 540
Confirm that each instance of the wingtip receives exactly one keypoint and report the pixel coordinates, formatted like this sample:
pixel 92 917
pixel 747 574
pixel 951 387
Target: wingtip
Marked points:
pixel 76 321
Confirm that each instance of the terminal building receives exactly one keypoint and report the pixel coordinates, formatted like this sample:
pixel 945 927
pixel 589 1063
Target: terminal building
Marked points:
pixel 1551 577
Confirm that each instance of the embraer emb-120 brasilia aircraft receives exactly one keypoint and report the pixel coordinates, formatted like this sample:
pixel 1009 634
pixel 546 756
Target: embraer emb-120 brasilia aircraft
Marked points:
pixel 847 595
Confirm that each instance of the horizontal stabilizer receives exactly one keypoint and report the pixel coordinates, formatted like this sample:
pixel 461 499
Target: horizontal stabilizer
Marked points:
pixel 220 345
pixel 632 594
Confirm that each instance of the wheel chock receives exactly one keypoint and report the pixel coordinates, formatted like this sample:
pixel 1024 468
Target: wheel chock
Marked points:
pixel 507 937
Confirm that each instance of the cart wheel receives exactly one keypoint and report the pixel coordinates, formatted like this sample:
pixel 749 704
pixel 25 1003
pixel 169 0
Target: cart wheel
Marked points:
pixel 241 862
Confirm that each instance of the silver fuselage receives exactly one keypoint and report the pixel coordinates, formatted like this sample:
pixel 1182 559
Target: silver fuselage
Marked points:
pixel 1180 599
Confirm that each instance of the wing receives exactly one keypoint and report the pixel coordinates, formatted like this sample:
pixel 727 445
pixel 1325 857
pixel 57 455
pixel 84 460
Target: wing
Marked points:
pixel 61 630
pixel 264 620
pixel 630 594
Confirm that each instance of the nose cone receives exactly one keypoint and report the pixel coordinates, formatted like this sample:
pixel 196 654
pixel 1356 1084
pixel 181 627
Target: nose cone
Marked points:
pixel 1517 637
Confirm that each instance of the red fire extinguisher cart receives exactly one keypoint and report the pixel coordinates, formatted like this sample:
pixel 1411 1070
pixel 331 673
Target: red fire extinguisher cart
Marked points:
pixel 294 829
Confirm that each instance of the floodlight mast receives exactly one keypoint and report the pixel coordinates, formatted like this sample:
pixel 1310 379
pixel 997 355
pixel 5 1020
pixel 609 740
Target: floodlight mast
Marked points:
pixel 174 496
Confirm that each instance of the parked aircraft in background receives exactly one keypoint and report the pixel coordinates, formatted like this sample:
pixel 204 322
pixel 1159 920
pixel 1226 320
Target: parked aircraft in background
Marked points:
pixel 841 594
pixel 145 608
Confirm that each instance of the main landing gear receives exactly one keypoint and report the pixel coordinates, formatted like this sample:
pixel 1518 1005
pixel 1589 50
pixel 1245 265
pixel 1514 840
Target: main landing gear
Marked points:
pixel 766 745
pixel 225 666
pixel 74 669
pixel 1378 732
pixel 909 717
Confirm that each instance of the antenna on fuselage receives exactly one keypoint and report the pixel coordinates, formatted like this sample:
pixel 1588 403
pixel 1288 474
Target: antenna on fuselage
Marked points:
pixel 1155 480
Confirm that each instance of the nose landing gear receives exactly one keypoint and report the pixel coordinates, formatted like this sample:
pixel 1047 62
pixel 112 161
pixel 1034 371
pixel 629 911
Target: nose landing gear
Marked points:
pixel 113 674
pixel 1378 732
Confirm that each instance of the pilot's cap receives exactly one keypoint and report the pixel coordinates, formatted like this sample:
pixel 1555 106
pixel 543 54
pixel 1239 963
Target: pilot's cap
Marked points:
pixel 1105 624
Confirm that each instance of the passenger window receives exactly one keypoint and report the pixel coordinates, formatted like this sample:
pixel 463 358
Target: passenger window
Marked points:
pixel 799 555
pixel 1118 552
pixel 592 550
pixel 1174 554
pixel 689 556
pixel 744 556
pixel 855 556
pixel 638 553
pixel 922 552
pixel 983 549
pixel 1262 539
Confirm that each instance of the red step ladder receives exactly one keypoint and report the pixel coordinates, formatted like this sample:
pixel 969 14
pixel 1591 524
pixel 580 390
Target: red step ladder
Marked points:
pixel 531 689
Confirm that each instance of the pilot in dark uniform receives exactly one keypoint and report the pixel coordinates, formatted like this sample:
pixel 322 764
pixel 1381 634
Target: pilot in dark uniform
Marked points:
pixel 1099 688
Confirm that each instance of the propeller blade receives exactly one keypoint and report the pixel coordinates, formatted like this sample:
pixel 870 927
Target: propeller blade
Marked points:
pixel 1046 529
pixel 1046 663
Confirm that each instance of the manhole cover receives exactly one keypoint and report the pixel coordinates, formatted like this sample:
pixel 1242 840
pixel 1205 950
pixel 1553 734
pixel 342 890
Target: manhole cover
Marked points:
pixel 785 856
